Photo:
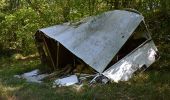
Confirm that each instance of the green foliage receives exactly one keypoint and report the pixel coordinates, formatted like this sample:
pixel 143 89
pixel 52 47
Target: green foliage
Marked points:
pixel 18 28
pixel 20 19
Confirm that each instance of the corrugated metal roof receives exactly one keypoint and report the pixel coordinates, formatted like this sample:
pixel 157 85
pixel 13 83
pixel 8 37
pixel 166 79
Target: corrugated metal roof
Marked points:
pixel 97 40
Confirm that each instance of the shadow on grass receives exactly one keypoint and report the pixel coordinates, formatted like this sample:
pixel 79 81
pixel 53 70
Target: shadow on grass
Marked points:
pixel 152 84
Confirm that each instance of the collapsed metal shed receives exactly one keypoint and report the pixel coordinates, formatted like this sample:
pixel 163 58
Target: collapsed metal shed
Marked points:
pixel 104 42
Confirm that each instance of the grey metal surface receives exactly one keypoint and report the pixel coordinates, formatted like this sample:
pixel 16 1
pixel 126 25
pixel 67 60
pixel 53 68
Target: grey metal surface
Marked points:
pixel 124 69
pixel 97 40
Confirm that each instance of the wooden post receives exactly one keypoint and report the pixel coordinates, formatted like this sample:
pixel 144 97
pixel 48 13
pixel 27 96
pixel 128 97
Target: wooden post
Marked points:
pixel 58 47
pixel 49 53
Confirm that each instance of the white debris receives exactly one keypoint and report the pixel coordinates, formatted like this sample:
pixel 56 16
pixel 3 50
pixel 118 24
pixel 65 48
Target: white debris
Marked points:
pixel 36 78
pixel 78 87
pixel 17 76
pixel 32 76
pixel 105 80
pixel 122 72
pixel 151 55
pixel 85 76
pixel 67 81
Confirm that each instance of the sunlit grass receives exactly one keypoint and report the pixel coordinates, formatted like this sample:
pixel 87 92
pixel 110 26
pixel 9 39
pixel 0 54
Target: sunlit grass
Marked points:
pixel 153 84
pixel 6 92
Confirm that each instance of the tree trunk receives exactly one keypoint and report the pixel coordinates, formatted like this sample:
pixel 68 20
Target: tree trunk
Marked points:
pixel 116 4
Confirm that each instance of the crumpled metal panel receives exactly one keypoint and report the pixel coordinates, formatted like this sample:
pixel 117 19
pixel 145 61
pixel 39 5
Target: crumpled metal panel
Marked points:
pixel 124 69
pixel 97 40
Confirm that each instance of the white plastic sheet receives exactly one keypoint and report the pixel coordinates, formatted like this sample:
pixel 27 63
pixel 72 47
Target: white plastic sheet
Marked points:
pixel 67 81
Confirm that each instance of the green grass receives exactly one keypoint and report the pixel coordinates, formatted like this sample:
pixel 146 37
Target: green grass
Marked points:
pixel 152 84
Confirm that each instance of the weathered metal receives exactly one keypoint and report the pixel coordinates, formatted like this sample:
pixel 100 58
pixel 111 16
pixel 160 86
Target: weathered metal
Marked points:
pixel 105 43
pixel 143 56
pixel 97 40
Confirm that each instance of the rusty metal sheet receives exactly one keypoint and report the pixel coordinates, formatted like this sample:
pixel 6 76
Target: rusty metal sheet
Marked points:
pixel 97 40
pixel 124 69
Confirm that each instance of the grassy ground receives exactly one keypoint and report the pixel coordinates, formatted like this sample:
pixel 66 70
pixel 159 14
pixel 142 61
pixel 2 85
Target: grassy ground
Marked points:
pixel 152 84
